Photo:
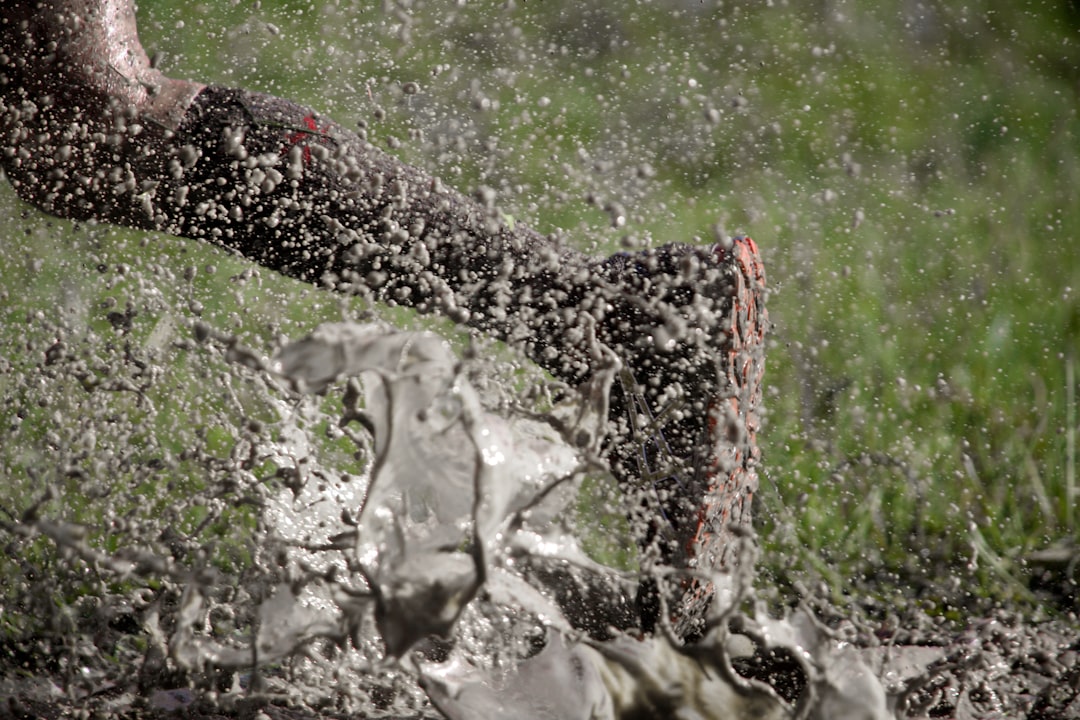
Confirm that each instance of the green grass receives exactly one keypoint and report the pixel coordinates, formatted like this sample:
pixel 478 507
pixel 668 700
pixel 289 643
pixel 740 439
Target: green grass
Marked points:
pixel 914 182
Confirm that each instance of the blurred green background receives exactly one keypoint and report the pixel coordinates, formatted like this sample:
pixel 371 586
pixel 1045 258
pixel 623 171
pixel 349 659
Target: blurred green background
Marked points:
pixel 911 171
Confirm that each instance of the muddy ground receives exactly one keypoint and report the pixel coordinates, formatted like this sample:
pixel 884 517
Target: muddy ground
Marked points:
pixel 995 666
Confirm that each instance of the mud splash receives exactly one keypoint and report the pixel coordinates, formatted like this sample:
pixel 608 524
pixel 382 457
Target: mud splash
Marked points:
pixel 409 588
pixel 457 499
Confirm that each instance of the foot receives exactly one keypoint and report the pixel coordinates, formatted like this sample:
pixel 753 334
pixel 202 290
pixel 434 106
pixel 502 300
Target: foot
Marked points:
pixel 689 325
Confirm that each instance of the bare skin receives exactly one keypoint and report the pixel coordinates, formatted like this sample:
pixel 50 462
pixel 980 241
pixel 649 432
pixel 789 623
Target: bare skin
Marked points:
pixel 98 67
pixel 96 44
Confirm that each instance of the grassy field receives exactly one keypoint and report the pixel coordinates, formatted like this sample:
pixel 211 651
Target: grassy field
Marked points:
pixel 910 170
